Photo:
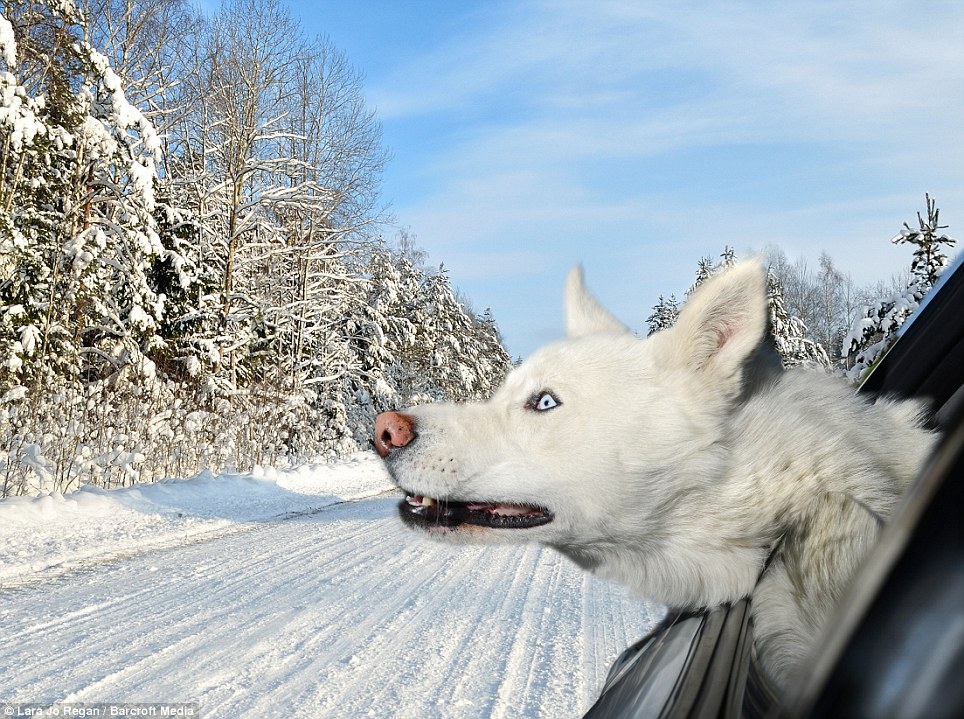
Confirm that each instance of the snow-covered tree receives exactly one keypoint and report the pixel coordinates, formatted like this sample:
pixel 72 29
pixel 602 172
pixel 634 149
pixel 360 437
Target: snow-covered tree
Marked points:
pixel 930 258
pixel 451 357
pixel 875 327
pixel 281 161
pixel 704 270
pixel 823 297
pixel 78 201
pixel 392 316
pixel 493 358
pixel 790 335
pixel 325 199
pixel 212 294
pixel 727 258
pixel 665 314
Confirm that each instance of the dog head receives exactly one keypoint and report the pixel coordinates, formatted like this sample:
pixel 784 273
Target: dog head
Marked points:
pixel 591 438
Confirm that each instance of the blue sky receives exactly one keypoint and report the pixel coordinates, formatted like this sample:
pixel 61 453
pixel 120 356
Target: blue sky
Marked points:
pixel 636 136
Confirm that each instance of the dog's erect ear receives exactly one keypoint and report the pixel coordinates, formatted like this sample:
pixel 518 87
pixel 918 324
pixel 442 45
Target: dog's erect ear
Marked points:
pixel 584 314
pixel 722 323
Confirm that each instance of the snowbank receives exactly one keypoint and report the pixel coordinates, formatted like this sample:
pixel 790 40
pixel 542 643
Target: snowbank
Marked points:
pixel 90 524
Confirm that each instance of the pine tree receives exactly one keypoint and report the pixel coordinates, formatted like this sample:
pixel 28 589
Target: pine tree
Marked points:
pixel 78 202
pixel 929 259
pixel 393 317
pixel 492 355
pixel 727 258
pixel 790 335
pixel 704 270
pixel 665 314
pixel 875 327
pixel 792 339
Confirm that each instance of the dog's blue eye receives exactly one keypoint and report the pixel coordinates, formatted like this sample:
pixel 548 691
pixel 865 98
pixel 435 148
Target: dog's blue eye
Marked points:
pixel 542 402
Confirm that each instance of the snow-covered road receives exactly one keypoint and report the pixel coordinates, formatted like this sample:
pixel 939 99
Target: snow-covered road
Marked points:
pixel 329 608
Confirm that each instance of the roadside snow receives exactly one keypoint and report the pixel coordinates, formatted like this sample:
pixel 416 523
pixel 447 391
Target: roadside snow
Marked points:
pixel 63 531
pixel 296 594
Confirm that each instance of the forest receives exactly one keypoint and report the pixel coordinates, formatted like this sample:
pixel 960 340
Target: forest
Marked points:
pixel 194 269
pixel 821 318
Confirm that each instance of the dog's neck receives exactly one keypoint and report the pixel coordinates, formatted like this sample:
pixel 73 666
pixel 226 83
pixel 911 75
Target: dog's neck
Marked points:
pixel 712 564
pixel 683 578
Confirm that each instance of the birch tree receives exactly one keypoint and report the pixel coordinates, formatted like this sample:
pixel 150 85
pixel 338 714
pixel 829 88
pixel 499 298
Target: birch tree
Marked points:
pixel 324 202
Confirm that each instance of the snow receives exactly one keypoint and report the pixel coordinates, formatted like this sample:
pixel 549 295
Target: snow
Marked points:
pixel 8 43
pixel 292 593
pixel 125 115
pixel 30 335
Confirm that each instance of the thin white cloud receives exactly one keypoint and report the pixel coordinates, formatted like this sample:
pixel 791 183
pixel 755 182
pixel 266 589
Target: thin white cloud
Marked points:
pixel 536 102
pixel 803 67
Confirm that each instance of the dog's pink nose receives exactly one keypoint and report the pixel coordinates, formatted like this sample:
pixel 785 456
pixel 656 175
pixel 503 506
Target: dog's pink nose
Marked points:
pixel 393 429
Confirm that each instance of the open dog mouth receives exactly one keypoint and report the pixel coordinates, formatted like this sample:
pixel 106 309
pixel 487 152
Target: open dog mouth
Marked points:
pixel 425 512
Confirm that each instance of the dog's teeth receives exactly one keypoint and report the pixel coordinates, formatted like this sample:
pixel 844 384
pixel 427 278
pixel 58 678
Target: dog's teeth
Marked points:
pixel 428 502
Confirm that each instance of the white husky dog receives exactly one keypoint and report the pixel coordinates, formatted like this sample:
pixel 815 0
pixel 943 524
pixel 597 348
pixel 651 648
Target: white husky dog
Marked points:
pixel 662 464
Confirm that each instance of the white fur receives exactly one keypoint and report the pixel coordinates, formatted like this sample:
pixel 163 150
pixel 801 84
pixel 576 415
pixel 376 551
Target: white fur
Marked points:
pixel 664 475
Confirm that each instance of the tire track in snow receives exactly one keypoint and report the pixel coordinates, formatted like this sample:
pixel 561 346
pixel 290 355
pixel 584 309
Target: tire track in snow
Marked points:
pixel 534 659
pixel 465 626
pixel 518 636
pixel 201 600
pixel 413 621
